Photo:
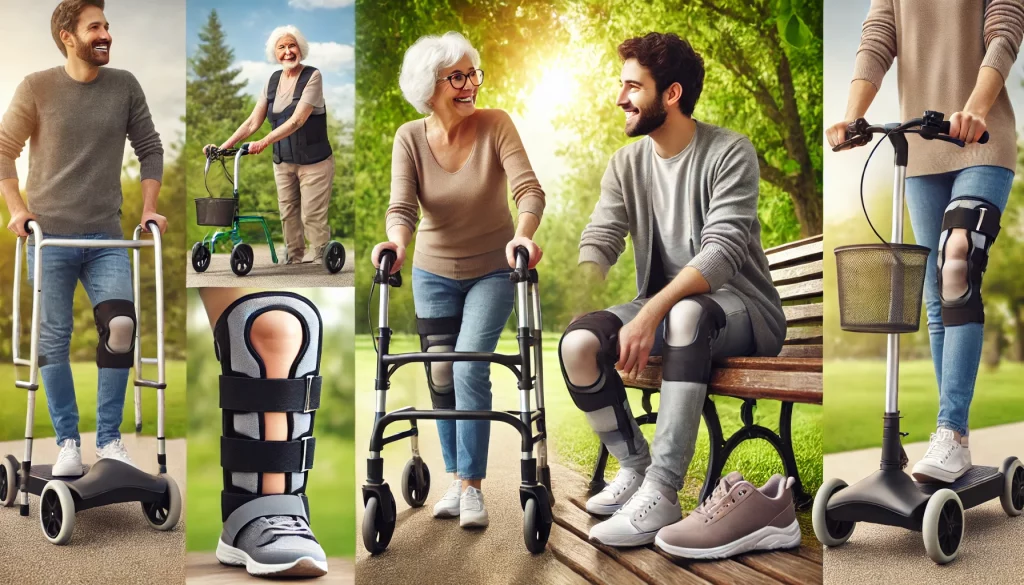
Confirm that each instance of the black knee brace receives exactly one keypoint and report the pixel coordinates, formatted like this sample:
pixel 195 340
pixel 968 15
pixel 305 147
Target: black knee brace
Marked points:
pixel 439 335
pixel 246 393
pixel 608 391
pixel 981 220
pixel 115 322
pixel 692 362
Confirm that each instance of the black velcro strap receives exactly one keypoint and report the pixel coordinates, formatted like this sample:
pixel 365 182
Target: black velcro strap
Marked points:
pixel 246 455
pixel 982 219
pixel 231 501
pixel 439 326
pixel 261 395
pixel 605 325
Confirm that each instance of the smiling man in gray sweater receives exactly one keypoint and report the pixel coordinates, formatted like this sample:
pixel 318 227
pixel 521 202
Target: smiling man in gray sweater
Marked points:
pixel 76 118
pixel 687 195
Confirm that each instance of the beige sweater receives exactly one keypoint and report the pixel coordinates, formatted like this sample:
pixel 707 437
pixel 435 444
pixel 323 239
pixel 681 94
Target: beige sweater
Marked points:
pixel 941 46
pixel 466 220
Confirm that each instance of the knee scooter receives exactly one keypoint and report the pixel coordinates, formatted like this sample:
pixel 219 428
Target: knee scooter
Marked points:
pixel 379 516
pixel 889 496
pixel 108 481
pixel 223 212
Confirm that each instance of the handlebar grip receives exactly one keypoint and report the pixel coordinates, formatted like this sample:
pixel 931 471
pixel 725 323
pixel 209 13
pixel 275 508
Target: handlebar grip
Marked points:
pixel 945 130
pixel 245 149
pixel 522 269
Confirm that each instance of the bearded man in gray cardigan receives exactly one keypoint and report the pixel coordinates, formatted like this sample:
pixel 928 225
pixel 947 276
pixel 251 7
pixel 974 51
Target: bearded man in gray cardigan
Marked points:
pixel 686 194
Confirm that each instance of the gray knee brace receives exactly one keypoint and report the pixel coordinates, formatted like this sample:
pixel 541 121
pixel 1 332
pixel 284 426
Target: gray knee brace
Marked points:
pixel 608 392
pixel 981 220
pixel 439 335
pixel 115 322
pixel 693 324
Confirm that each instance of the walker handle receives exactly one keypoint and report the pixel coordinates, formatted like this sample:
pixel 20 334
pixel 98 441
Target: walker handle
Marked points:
pixel 386 259
pixel 522 270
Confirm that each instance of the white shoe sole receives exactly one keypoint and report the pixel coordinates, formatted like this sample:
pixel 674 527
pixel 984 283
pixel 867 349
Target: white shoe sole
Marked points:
pixel 639 539
pixel 446 512
pixel 767 538
pixel 300 567
pixel 603 509
pixel 925 473
pixel 68 471
pixel 473 521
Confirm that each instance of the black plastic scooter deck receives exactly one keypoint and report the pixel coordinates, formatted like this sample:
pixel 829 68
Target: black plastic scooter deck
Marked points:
pixel 107 482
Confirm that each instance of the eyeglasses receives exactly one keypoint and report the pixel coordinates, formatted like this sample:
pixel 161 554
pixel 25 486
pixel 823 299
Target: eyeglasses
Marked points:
pixel 458 79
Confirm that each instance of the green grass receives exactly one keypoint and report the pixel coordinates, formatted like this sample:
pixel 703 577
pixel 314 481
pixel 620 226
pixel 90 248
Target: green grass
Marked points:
pixel 855 401
pixel 15 401
pixel 575 444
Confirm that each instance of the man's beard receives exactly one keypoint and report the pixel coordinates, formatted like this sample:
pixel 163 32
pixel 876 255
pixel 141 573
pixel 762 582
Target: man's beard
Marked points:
pixel 86 52
pixel 648 119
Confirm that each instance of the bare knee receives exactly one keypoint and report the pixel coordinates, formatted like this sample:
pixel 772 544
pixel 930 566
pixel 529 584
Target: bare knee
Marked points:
pixel 578 352
pixel 277 338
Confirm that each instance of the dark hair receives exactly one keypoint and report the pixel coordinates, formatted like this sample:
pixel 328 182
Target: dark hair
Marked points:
pixel 65 17
pixel 670 59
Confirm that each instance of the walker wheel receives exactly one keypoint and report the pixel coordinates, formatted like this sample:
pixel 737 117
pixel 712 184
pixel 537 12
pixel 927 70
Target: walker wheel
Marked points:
pixel 334 257
pixel 414 491
pixel 57 512
pixel 164 514
pixel 830 532
pixel 8 483
pixel 1012 497
pixel 535 529
pixel 943 526
pixel 241 259
pixel 200 257
pixel 376 531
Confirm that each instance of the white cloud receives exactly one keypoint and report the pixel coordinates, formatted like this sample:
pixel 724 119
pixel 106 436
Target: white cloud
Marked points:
pixel 342 101
pixel 331 56
pixel 314 4
pixel 255 74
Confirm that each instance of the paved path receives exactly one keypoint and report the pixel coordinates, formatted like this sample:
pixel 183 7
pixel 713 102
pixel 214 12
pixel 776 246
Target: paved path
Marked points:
pixel 204 569
pixel 111 544
pixel 993 546
pixel 266 274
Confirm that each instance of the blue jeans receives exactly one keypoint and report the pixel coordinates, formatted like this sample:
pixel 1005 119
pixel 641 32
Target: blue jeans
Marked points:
pixel 956 351
pixel 106 275
pixel 484 305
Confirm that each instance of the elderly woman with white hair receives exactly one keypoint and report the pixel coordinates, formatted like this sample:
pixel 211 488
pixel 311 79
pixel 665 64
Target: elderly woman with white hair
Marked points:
pixel 292 101
pixel 456 166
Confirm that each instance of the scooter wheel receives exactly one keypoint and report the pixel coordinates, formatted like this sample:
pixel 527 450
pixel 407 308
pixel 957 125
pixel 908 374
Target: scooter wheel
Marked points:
pixel 164 514
pixel 414 492
pixel 535 529
pixel 943 526
pixel 376 531
pixel 1012 497
pixel 8 483
pixel 830 532
pixel 241 259
pixel 334 257
pixel 57 512
pixel 200 257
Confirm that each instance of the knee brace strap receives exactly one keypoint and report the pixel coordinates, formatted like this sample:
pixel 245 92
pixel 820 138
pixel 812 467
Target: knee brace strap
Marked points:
pixel 692 363
pixel 115 322
pixel 981 220
pixel 439 335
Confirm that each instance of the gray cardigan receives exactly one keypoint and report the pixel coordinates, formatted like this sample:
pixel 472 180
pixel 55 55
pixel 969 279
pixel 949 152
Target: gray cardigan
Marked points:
pixel 724 242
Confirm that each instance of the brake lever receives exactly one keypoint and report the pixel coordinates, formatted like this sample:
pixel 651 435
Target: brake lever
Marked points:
pixel 859 140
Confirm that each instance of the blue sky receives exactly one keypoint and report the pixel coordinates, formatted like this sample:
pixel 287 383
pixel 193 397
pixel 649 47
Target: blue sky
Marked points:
pixel 329 26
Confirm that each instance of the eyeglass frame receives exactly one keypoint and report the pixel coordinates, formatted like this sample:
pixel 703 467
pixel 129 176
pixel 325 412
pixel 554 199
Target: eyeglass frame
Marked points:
pixel 469 79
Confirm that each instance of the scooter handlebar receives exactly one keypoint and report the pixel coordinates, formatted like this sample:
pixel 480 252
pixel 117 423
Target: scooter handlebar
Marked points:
pixel 945 130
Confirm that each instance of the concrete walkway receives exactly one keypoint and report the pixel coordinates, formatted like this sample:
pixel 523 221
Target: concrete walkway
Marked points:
pixel 266 274
pixel 993 545
pixel 110 544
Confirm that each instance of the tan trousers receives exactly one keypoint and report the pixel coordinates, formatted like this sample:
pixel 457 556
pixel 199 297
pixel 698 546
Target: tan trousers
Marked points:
pixel 303 196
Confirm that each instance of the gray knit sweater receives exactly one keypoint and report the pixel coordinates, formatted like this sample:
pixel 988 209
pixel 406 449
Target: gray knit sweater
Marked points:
pixel 725 234
pixel 77 133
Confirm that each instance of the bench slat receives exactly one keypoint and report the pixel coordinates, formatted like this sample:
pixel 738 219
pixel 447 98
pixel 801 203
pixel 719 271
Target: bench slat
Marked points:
pixel 781 364
pixel 798 335
pixel 794 244
pixel 801 290
pixel 802 351
pixel 798 273
pixel 805 387
pixel 804 314
pixel 797 255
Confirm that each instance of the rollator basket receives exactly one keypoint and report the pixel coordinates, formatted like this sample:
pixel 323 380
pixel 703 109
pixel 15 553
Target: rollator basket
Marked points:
pixel 215 211
pixel 880 287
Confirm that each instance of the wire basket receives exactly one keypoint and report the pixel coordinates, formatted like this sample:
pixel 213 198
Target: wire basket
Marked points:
pixel 880 287
pixel 215 211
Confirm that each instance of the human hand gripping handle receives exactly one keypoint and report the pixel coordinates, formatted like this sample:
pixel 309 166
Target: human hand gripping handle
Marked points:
pixel 19 222
pixel 521 272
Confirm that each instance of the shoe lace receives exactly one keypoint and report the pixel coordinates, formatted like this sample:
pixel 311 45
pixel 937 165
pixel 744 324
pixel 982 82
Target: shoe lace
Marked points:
pixel 643 501
pixel 454 490
pixel 116 448
pixel 717 496
pixel 940 448
pixel 618 485
pixel 474 500
pixel 288 526
pixel 67 451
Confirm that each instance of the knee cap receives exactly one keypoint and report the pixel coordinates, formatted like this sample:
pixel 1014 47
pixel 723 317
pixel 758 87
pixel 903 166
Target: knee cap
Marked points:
pixel 115 322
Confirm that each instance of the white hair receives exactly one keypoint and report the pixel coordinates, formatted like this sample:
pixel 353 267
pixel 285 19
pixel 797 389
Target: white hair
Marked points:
pixel 424 59
pixel 286 30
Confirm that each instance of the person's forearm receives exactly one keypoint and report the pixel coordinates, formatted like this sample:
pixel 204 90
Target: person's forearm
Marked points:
pixel 687 283
pixel 862 93
pixel 986 90
pixel 528 224
pixel 12 196
pixel 150 195
pixel 400 235
pixel 244 131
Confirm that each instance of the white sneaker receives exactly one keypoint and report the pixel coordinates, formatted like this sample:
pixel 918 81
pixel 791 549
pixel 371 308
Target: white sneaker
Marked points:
pixel 472 513
pixel 946 459
pixel 637 523
pixel 615 494
pixel 115 450
pixel 69 460
pixel 448 507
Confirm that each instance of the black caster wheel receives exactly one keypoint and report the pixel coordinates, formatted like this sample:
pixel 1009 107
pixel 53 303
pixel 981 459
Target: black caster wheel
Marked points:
pixel 334 257
pixel 8 483
pixel 1012 497
pixel 943 526
pixel 376 531
pixel 413 490
pixel 535 529
pixel 200 257
pixel 241 259
pixel 57 512
pixel 164 515
pixel 830 532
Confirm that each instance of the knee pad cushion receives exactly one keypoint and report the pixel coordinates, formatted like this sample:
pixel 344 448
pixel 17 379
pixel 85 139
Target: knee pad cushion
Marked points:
pixel 981 220
pixel 115 322
pixel 439 334
pixel 692 363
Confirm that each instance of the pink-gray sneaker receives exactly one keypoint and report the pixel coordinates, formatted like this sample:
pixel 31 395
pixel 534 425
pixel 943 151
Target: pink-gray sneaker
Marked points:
pixel 736 518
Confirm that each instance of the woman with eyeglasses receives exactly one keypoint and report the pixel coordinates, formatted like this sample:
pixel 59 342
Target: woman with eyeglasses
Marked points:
pixel 456 166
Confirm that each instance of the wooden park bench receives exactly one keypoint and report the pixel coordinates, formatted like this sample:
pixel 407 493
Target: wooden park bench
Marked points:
pixel 794 376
